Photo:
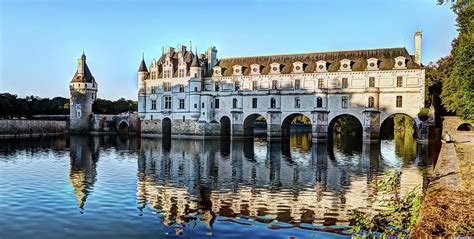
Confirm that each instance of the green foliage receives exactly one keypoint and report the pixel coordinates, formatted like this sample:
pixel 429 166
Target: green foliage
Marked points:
pixel 457 93
pixel 121 105
pixel 424 114
pixel 347 125
pixel 12 106
pixel 397 219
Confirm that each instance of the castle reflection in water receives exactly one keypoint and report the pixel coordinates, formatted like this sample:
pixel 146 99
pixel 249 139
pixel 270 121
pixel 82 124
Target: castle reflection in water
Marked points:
pixel 290 181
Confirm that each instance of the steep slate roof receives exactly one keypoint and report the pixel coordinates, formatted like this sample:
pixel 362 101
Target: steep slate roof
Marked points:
pixel 142 66
pixel 195 62
pixel 386 57
pixel 188 58
pixel 86 78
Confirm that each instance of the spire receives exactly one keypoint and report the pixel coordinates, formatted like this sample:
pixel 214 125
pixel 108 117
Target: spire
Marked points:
pixel 142 67
pixel 195 62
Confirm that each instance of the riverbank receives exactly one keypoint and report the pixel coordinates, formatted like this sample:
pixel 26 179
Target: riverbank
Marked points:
pixel 447 209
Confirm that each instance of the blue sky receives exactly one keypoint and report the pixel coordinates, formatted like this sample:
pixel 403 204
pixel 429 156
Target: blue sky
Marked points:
pixel 40 40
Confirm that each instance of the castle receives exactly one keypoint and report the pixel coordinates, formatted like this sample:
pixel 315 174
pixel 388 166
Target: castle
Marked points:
pixel 187 94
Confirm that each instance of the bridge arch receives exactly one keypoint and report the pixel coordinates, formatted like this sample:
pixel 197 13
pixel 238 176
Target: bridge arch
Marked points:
pixel 122 127
pixel 387 125
pixel 225 124
pixel 288 120
pixel 166 126
pixel 464 127
pixel 356 124
pixel 249 123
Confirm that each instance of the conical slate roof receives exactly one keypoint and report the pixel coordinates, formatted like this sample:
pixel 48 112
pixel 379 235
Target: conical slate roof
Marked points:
pixel 195 62
pixel 142 67
pixel 86 77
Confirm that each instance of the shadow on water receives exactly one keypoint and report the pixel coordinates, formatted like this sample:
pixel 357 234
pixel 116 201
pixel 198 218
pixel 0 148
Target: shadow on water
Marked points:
pixel 235 187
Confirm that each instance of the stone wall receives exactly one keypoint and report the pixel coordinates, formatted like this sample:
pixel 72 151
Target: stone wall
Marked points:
pixel 26 128
pixel 181 128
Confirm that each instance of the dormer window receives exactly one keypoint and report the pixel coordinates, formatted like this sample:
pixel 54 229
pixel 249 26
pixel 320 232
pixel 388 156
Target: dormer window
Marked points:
pixel 321 66
pixel 372 64
pixel 275 68
pixel 345 65
pixel 237 70
pixel 255 69
pixel 298 67
pixel 400 63
pixel 217 71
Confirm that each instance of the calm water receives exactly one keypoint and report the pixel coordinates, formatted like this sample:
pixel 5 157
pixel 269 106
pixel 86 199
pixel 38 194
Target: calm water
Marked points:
pixel 110 186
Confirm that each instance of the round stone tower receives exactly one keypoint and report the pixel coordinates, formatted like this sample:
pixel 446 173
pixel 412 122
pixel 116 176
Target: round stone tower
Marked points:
pixel 83 92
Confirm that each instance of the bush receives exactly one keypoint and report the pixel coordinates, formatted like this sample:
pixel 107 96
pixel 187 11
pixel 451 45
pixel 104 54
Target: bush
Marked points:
pixel 423 114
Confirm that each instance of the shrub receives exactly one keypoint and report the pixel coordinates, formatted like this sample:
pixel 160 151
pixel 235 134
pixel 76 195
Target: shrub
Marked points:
pixel 423 114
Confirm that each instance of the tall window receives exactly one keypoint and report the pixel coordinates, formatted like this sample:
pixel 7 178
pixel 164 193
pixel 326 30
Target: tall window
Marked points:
pixel 320 83
pixel 216 102
pixel 297 102
pixel 237 85
pixel 167 102
pixel 167 86
pixel 216 86
pixel 254 103
pixel 181 73
pixel 319 102
pixel 399 81
pixel 153 89
pixel 371 81
pixel 370 102
pixel 167 74
pixel 181 103
pixel 254 85
pixel 153 104
pixel 399 101
pixel 272 103
pixel 297 84
pixel 344 102
pixel 274 84
pixel 344 83
pixel 234 103
pixel 181 88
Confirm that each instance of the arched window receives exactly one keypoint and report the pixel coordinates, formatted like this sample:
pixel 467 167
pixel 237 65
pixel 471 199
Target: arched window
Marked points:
pixel 234 103
pixel 319 102
pixel 370 103
pixel 272 103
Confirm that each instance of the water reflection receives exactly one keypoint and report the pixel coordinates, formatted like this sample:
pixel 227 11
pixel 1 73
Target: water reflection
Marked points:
pixel 213 186
pixel 287 181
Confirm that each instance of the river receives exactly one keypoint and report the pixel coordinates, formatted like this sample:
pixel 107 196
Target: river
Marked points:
pixel 126 186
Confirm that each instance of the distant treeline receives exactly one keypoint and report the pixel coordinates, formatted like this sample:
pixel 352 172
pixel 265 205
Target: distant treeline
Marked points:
pixel 13 107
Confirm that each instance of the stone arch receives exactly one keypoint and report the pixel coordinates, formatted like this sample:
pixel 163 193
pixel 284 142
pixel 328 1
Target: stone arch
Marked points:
pixel 123 126
pixel 225 123
pixel 464 127
pixel 166 126
pixel 249 123
pixel 286 122
pixel 389 119
pixel 334 119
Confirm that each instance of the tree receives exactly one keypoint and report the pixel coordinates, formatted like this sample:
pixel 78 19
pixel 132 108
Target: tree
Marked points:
pixel 457 93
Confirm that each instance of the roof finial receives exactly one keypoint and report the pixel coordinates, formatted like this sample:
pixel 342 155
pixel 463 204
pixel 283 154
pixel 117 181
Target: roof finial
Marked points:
pixel 190 46
pixel 143 55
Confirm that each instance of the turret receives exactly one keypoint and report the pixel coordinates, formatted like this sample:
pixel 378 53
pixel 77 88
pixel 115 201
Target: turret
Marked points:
pixel 83 92
pixel 418 35
pixel 142 76
pixel 195 69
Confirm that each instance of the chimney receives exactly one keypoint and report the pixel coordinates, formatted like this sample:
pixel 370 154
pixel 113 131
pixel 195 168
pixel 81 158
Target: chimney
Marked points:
pixel 418 47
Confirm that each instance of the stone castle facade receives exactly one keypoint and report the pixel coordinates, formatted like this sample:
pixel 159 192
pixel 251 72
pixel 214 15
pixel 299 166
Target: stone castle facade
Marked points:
pixel 187 94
